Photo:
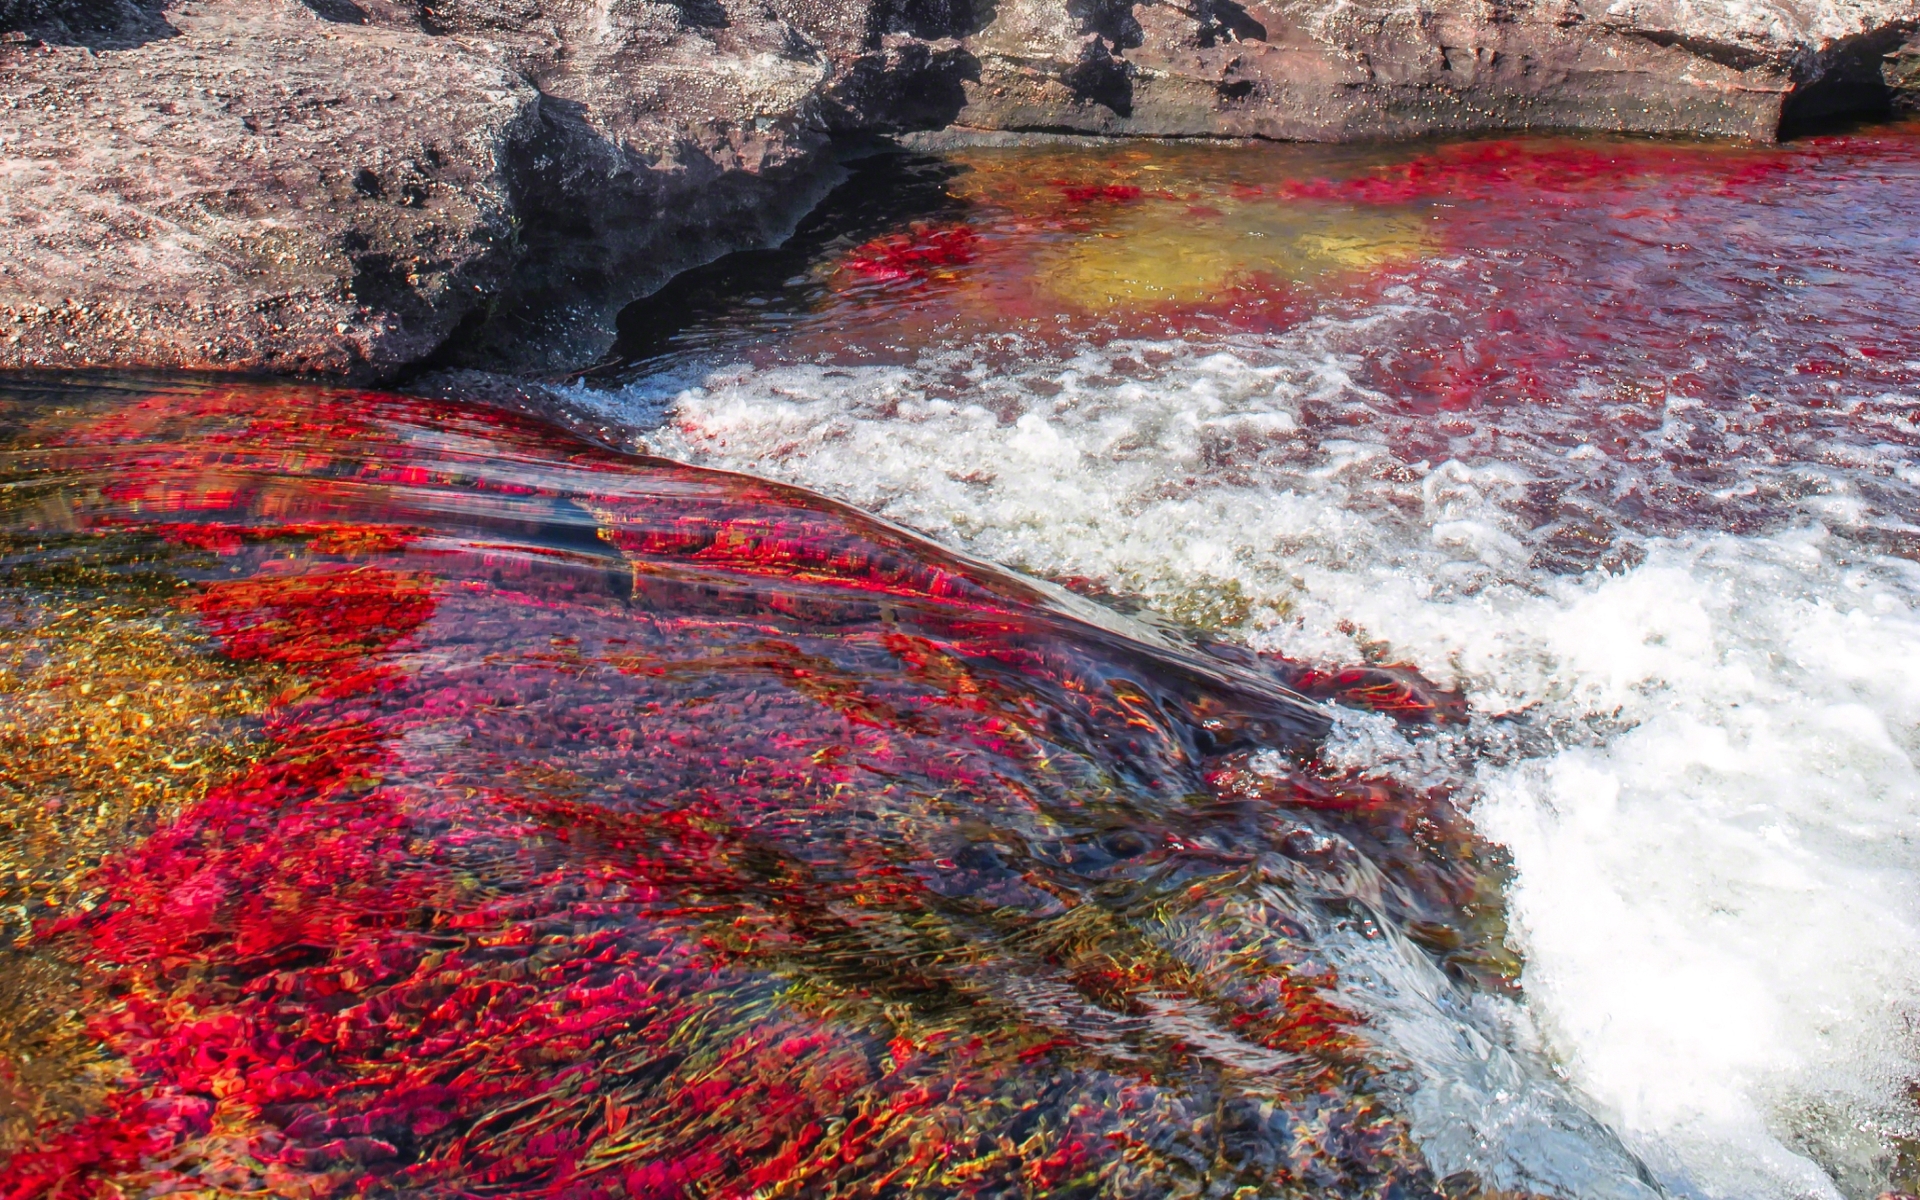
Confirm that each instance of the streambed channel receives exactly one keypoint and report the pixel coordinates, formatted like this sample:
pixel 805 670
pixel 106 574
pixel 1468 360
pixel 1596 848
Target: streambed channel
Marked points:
pixel 1097 669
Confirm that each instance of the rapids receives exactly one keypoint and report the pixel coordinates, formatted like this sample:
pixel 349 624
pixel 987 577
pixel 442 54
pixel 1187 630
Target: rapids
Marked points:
pixel 1617 438
pixel 1100 670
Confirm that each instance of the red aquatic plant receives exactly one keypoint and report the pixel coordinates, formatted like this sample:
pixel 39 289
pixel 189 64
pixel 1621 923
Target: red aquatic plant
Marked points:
pixel 914 254
pixel 1483 169
pixel 312 618
pixel 1087 193
pixel 744 846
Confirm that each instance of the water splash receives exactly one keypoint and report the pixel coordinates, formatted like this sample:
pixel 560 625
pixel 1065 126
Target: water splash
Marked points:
pixel 1613 438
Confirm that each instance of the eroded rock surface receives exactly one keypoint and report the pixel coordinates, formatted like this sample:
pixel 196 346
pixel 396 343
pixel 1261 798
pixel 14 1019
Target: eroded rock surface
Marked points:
pixel 1900 72
pixel 1310 69
pixel 356 187
pixel 342 187
pixel 253 187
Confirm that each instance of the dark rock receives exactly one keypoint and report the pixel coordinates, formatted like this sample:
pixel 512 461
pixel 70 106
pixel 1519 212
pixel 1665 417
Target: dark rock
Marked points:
pixel 96 24
pixel 1900 73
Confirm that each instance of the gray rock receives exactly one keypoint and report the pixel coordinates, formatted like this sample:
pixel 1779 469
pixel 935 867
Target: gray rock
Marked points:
pixel 255 187
pixel 360 187
pixel 354 188
pixel 1330 70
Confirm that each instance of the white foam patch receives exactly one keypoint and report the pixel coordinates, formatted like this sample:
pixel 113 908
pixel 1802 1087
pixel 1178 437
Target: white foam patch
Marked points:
pixel 1703 765
pixel 1719 904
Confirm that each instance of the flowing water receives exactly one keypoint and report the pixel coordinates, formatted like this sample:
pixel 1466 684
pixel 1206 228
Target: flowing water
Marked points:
pixel 1380 672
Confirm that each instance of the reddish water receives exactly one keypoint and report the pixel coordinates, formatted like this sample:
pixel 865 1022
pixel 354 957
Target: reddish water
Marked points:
pixel 1617 438
pixel 1717 330
pixel 609 827
pixel 402 797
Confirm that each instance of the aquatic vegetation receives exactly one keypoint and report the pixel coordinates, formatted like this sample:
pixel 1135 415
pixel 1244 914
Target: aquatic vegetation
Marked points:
pixel 1180 258
pixel 417 799
pixel 1623 451
pixel 1084 193
pixel 609 827
pixel 1543 172
pixel 916 254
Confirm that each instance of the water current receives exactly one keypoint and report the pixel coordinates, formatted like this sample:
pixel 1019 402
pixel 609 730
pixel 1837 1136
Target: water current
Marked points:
pixel 1094 670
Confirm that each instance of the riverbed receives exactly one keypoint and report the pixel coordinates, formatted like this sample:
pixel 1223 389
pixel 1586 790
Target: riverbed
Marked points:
pixel 1095 669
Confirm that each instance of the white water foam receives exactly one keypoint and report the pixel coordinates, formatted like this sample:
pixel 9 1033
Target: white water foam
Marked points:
pixel 1703 764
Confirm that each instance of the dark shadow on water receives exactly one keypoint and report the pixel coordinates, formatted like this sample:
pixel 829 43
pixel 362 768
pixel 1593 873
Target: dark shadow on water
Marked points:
pixel 1857 120
pixel 765 289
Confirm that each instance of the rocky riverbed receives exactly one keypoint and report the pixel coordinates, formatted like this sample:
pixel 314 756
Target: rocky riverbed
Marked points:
pixel 361 188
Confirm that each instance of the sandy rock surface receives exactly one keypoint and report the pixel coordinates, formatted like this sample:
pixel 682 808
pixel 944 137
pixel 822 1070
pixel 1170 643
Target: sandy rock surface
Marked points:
pixel 363 187
pixel 343 188
pixel 258 188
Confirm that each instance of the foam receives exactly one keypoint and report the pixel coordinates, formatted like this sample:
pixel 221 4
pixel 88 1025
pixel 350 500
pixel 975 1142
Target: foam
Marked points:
pixel 1718 905
pixel 1702 760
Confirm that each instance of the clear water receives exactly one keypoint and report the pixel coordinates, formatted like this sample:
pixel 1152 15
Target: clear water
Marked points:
pixel 1617 439
pixel 1465 747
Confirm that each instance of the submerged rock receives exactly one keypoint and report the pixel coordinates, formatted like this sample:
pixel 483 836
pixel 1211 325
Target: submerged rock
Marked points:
pixel 357 187
pixel 602 827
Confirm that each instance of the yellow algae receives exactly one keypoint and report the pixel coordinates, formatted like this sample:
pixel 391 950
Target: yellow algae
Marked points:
pixel 1362 245
pixel 112 719
pixel 1179 225
pixel 51 1069
pixel 1134 266
pixel 1161 253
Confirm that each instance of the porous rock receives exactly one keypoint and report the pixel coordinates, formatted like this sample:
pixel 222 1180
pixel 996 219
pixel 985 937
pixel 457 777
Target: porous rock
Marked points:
pixel 356 188
pixel 1900 73
pixel 251 188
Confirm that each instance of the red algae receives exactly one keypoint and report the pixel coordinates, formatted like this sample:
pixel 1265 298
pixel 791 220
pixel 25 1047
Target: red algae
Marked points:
pixel 1084 193
pixel 1662 336
pixel 624 829
pixel 913 255
pixel 1561 255
pixel 1351 402
pixel 1546 172
pixel 559 822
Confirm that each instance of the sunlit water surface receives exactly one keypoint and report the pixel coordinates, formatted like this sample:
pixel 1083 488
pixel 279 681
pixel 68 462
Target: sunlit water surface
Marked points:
pixel 1616 438
pixel 1479 759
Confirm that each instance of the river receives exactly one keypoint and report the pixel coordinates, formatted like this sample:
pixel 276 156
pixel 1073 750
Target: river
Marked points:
pixel 1095 669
